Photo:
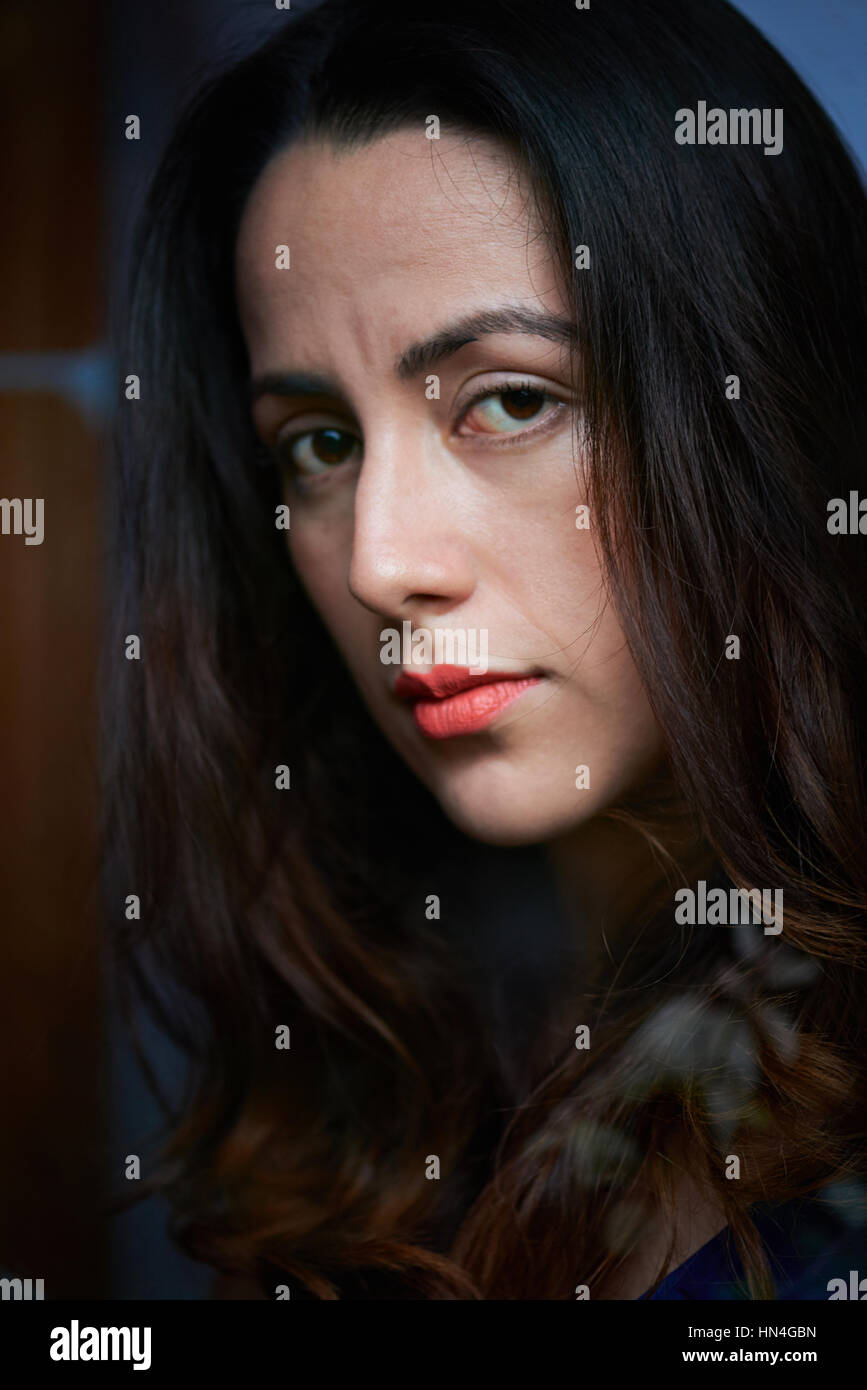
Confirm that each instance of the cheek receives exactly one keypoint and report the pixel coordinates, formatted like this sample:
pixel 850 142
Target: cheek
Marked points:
pixel 317 557
pixel 630 740
pixel 555 579
pixel 606 679
pixel 320 556
pixel 604 696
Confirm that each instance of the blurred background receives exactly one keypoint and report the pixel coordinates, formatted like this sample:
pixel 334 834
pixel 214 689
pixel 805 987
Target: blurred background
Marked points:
pixel 72 1101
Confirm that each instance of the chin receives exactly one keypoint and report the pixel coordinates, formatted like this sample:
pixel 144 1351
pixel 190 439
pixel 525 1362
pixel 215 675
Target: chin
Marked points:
pixel 513 819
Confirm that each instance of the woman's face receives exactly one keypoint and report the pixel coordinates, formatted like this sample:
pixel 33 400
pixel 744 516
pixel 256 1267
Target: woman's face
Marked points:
pixel 417 285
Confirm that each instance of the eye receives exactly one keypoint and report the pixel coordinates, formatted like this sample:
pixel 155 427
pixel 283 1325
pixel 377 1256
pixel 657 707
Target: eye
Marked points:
pixel 508 409
pixel 317 451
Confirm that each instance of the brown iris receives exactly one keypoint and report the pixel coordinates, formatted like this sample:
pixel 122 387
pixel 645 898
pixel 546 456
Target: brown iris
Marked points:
pixel 522 403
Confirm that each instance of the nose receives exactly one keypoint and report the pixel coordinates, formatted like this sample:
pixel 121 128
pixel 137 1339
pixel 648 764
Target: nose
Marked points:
pixel 410 553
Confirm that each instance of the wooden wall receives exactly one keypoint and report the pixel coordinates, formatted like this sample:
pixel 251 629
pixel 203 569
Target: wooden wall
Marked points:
pixel 51 293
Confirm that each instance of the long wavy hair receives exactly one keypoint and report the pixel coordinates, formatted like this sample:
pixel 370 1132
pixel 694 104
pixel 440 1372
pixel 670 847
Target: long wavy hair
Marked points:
pixel 263 909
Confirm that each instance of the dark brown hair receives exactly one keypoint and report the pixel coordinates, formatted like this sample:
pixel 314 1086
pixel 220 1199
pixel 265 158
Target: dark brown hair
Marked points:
pixel 261 909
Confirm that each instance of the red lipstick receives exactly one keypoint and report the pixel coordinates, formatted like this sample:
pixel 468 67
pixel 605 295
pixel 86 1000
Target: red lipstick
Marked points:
pixel 450 700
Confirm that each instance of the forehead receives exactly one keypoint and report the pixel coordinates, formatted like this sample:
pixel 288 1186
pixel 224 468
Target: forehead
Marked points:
pixel 401 225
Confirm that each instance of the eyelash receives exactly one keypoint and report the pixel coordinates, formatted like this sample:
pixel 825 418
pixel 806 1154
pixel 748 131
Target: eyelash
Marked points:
pixel 503 388
pixel 280 451
pixel 508 388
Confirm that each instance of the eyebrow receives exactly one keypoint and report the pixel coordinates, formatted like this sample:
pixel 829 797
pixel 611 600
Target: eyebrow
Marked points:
pixel 293 384
pixel 418 357
pixel 451 339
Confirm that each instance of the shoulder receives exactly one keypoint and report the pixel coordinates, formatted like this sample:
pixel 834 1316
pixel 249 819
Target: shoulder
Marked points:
pixel 809 1243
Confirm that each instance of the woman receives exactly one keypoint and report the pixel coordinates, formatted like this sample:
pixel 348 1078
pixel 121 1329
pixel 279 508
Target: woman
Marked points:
pixel 491 779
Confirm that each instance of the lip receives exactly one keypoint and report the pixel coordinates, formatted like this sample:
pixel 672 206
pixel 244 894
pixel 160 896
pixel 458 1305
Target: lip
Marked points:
pixel 451 701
